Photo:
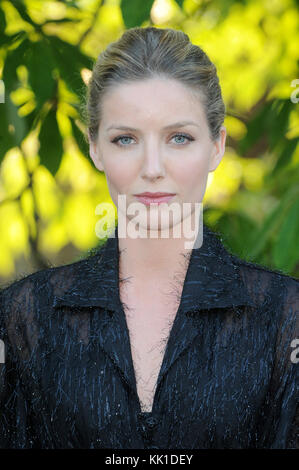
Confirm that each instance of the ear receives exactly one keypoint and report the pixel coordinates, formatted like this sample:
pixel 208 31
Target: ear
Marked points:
pixel 95 154
pixel 218 150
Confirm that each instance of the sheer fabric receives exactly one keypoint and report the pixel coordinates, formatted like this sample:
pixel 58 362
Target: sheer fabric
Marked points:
pixel 226 381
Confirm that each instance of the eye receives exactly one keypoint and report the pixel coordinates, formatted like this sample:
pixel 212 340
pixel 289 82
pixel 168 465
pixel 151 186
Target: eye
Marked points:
pixel 121 138
pixel 184 136
pixel 124 139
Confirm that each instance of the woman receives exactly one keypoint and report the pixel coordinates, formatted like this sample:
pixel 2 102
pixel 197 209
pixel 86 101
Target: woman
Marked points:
pixel 146 343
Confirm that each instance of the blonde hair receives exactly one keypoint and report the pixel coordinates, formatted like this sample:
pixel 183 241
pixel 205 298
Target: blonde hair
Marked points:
pixel 143 53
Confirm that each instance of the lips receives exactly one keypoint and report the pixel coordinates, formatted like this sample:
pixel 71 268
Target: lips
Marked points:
pixel 152 198
pixel 153 195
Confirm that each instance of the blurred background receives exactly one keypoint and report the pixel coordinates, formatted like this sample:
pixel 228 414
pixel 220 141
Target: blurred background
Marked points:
pixel 49 187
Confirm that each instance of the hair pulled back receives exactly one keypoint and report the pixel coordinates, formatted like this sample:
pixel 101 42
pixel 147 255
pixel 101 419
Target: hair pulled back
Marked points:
pixel 144 53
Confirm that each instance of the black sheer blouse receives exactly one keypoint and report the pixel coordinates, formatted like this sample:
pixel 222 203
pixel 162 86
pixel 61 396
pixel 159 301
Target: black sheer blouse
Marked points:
pixel 227 378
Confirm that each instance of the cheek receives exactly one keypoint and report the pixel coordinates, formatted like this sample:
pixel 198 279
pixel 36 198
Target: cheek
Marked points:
pixel 119 175
pixel 192 174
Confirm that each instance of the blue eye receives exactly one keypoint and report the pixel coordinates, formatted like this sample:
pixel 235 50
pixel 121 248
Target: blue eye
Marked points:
pixel 185 136
pixel 121 137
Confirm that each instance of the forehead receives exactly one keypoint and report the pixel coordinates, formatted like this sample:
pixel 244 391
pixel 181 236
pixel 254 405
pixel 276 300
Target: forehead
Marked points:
pixel 152 99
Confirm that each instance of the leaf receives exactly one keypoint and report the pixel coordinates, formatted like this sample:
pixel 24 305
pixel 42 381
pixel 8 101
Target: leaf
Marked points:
pixel 6 137
pixel 240 230
pixel 286 250
pixel 2 21
pixel 9 40
pixel 280 119
pixel 51 148
pixel 62 20
pixel 31 120
pixel 180 3
pixel 13 128
pixel 255 128
pixel 135 12
pixel 40 64
pixel 15 120
pixel 272 119
pixel 272 223
pixel 13 59
pixel 286 154
pixel 22 10
pixel 80 139
pixel 70 60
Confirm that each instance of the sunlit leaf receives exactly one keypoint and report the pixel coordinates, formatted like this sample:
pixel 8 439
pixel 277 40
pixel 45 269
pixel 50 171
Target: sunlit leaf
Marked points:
pixel 22 10
pixel 180 3
pixel 9 40
pixel 62 20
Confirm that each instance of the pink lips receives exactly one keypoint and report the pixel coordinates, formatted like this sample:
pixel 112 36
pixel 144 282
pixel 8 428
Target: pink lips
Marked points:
pixel 154 198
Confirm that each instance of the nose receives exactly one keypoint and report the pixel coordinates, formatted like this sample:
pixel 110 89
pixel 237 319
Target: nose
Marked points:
pixel 153 165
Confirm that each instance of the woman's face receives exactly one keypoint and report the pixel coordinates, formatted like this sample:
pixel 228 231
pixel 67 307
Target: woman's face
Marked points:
pixel 141 146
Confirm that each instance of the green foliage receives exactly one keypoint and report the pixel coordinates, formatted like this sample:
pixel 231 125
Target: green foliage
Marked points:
pixel 180 3
pixel 69 61
pixel 50 154
pixel 260 224
pixel 286 249
pixel 2 21
pixel 135 12
pixel 79 137
pixel 41 63
pixel 42 59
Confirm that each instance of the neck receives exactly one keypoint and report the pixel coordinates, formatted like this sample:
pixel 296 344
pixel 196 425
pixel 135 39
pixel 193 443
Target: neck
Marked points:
pixel 150 258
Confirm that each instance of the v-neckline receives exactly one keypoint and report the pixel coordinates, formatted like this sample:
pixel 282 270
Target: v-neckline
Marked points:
pixel 171 335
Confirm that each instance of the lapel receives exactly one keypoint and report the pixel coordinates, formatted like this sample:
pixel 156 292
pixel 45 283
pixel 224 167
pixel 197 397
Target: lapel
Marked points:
pixel 212 281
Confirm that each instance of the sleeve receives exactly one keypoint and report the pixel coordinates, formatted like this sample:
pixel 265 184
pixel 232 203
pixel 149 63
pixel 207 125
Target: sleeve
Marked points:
pixel 15 430
pixel 284 393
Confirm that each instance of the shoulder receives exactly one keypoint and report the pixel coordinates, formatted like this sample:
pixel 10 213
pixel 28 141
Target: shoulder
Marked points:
pixel 258 276
pixel 263 284
pixel 34 292
pixel 259 279
pixel 27 317
pixel 272 290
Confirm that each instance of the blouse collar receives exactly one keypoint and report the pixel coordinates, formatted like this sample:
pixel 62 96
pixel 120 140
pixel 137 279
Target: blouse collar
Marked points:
pixel 212 281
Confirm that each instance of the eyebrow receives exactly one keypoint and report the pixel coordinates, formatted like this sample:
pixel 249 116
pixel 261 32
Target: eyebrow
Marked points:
pixel 175 124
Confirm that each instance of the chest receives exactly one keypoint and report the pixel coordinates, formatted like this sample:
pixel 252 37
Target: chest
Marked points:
pixel 149 321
